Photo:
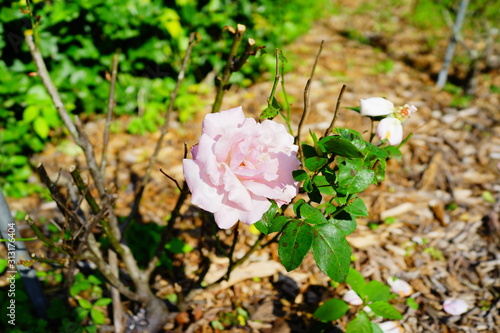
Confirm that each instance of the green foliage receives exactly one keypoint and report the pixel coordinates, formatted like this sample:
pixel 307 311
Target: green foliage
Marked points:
pixel 78 40
pixel 331 310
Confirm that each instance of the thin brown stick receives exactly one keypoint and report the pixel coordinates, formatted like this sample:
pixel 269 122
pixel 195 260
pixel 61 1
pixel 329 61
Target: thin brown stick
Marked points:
pixel 166 234
pixel 329 129
pixel 164 129
pixel 111 106
pixel 305 113
pixel 171 178
pixel 226 74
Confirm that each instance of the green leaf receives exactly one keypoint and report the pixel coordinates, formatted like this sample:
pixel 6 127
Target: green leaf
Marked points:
pixel 3 265
pixel 81 314
pixel 357 208
pixel 308 151
pixel 357 282
pixel 385 310
pixel 176 245
pixel 41 127
pixel 84 303
pixel 337 145
pixel 314 194
pixel 278 223
pixel 294 244
pixel 346 226
pixel 377 291
pixel 78 287
pixel 269 113
pixel 103 302
pixel 97 316
pixel 412 303
pixel 331 310
pixel 376 328
pixel 331 251
pixel 316 162
pixel 310 214
pixel 323 185
pixel 353 177
pixel 360 324
pixel 264 223
pixel 31 113
pixel 299 175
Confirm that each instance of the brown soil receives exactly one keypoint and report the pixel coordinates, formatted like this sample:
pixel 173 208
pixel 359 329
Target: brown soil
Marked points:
pixel 443 196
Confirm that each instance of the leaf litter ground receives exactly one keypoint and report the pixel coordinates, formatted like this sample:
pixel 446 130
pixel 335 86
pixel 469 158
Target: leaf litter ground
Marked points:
pixel 440 203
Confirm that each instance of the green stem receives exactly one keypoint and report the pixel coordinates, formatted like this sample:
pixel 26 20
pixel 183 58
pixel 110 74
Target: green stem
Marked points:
pixel 226 74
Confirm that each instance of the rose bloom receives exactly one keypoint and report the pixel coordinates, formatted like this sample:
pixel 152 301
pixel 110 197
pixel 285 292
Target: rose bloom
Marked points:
pixel 391 129
pixel 375 106
pixel 238 165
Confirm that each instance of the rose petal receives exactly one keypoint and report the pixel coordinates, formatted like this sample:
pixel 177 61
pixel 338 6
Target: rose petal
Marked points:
pixel 352 298
pixel 455 307
pixel 216 124
pixel 400 287
pixel 204 194
pixel 390 129
pixel 391 327
pixel 375 106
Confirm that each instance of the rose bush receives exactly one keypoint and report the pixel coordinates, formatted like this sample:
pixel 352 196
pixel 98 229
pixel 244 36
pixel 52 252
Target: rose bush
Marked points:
pixel 238 165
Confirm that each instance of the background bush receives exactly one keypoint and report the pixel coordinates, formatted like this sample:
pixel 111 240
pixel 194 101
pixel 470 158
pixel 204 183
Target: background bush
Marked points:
pixel 78 39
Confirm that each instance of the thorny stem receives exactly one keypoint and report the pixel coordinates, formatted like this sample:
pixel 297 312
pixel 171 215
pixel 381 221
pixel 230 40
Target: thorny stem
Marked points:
pixel 42 237
pixel 111 106
pixel 332 124
pixel 80 184
pixel 285 96
pixel 306 103
pixel 80 138
pixel 164 129
pixel 226 74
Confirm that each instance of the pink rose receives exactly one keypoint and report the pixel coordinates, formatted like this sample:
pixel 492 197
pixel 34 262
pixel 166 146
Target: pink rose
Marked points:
pixel 238 165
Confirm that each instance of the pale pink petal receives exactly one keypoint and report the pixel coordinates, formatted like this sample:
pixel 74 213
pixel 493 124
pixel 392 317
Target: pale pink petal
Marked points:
pixel 352 298
pixel 455 307
pixel 240 164
pixel 375 106
pixel 391 327
pixel 226 217
pixel 204 194
pixel 400 287
pixel 259 207
pixel 216 124
pixel 236 192
pixel 390 129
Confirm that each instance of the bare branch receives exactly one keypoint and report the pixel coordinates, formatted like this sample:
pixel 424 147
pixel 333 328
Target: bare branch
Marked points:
pixel 164 129
pixel 226 74
pixel 307 92
pixel 329 129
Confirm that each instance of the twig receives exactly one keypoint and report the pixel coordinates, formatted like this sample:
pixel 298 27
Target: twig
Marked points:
pixel 81 140
pixel 226 74
pixel 82 187
pixel 166 234
pixel 111 106
pixel 329 129
pixel 105 270
pixel 285 95
pixel 152 161
pixel 171 178
pixel 306 103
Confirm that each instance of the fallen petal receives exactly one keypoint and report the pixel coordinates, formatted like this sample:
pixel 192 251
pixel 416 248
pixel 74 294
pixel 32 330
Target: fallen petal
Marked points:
pixel 455 307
